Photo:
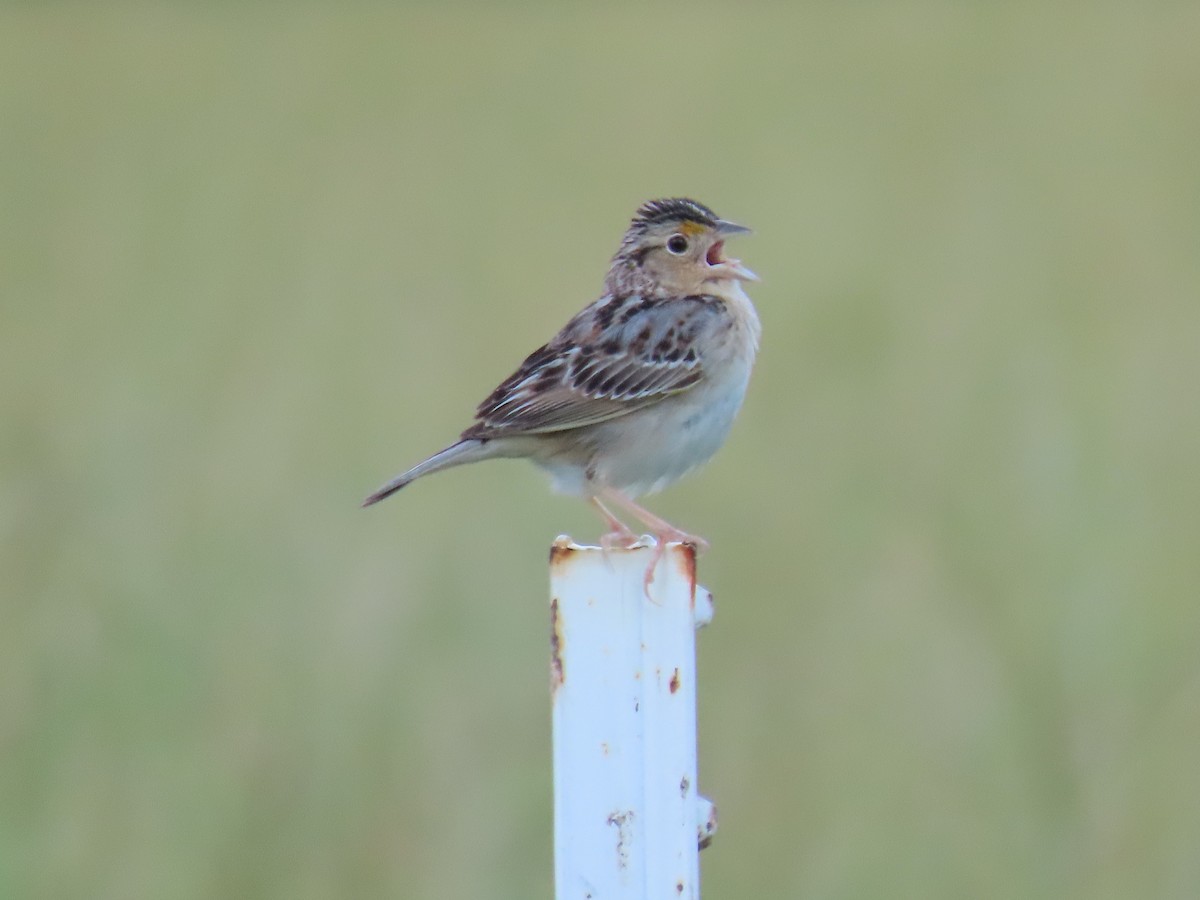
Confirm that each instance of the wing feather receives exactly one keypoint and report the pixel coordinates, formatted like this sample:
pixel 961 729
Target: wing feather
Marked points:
pixel 618 355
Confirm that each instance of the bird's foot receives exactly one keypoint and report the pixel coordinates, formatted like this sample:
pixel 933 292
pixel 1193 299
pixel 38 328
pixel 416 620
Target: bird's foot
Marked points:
pixel 670 536
pixel 618 539
pixel 675 536
pixel 663 531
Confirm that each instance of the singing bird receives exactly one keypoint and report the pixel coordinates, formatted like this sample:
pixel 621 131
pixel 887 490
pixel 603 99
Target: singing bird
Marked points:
pixel 638 389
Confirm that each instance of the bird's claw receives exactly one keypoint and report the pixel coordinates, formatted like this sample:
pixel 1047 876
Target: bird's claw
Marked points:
pixel 618 540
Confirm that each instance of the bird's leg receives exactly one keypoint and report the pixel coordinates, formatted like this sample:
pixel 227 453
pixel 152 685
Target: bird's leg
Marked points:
pixel 619 534
pixel 664 532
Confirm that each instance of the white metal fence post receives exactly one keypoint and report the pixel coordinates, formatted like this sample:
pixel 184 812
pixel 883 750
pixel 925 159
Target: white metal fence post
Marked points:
pixel 628 821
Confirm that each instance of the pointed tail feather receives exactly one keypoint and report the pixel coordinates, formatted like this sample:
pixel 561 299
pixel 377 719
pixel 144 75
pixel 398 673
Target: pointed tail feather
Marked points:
pixel 454 455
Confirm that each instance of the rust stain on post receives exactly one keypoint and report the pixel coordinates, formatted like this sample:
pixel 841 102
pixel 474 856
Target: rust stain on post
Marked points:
pixel 708 828
pixel 687 568
pixel 674 682
pixel 557 676
pixel 561 552
pixel 622 820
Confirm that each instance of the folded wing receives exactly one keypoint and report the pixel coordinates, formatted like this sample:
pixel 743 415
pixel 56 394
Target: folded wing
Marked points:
pixel 618 355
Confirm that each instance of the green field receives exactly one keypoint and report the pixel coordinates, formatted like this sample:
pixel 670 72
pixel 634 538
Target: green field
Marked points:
pixel 256 259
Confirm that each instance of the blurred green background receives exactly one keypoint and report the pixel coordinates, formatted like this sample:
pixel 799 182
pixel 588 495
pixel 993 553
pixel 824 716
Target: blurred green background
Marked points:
pixel 256 259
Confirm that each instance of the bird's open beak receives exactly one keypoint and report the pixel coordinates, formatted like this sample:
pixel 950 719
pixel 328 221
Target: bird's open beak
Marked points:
pixel 728 268
pixel 733 268
pixel 726 227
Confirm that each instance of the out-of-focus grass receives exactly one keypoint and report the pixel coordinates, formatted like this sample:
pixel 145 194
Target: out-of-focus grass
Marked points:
pixel 255 260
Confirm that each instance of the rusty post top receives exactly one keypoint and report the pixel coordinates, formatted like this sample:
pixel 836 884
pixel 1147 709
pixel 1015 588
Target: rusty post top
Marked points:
pixel 564 549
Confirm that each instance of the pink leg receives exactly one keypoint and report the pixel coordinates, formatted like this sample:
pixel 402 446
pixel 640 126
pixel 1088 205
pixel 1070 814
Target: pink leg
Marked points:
pixel 619 534
pixel 664 532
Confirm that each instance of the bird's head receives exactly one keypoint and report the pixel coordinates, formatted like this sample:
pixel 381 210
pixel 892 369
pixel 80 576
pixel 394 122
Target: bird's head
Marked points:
pixel 676 247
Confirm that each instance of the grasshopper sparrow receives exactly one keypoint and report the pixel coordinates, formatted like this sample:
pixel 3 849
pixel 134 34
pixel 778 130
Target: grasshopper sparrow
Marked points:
pixel 638 389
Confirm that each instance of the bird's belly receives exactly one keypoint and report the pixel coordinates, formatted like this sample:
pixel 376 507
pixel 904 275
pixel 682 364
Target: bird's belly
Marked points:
pixel 667 440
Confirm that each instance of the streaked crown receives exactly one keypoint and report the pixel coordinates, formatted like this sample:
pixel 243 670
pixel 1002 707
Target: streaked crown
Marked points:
pixel 672 209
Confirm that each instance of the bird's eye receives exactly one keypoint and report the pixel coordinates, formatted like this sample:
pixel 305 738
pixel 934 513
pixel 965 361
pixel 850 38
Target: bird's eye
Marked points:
pixel 677 244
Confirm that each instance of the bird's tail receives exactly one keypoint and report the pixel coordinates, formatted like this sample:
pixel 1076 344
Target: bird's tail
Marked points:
pixel 454 455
